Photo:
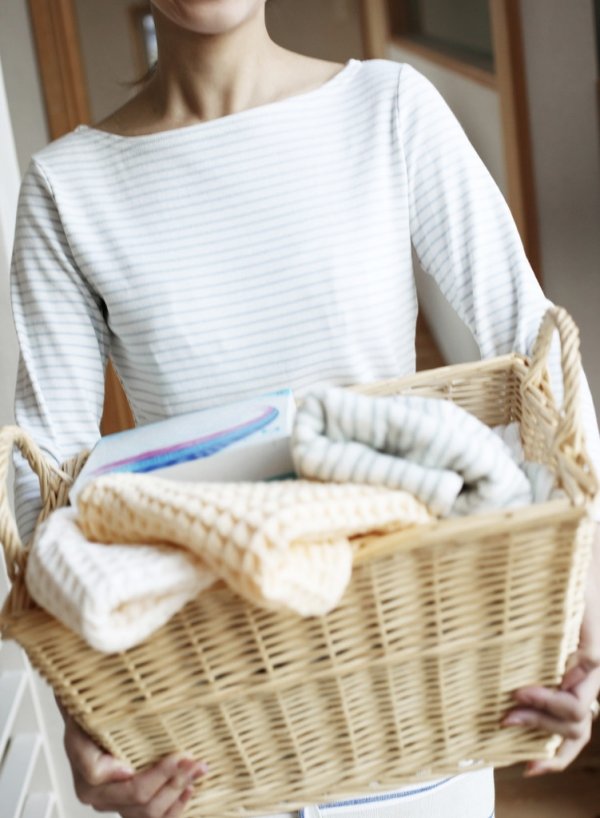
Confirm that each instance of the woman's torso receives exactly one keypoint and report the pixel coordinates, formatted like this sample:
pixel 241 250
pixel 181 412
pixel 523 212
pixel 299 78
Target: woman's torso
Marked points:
pixel 268 248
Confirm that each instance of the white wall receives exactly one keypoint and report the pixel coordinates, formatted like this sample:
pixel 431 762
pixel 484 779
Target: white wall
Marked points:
pixel 23 88
pixel 562 72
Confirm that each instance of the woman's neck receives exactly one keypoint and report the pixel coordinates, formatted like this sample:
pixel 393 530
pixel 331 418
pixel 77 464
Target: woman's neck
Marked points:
pixel 205 76
pixel 201 77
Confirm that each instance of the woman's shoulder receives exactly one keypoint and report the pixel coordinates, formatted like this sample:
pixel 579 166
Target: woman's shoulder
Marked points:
pixel 64 153
pixel 88 146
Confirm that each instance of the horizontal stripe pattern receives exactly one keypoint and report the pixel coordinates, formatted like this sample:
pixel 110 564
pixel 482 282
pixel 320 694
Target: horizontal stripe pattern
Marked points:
pixel 433 449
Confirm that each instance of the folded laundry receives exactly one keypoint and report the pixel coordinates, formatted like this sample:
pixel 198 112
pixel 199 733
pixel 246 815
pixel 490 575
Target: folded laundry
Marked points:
pixel 113 596
pixel 429 447
pixel 139 547
pixel 282 545
pixel 541 478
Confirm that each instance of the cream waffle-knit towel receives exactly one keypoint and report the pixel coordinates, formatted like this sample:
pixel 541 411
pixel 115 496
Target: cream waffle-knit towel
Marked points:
pixel 430 447
pixel 281 545
pixel 114 596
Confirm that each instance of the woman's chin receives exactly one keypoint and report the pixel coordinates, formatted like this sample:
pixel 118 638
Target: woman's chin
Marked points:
pixel 208 16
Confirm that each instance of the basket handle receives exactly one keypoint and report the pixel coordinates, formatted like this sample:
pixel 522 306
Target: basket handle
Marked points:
pixel 569 432
pixel 557 318
pixel 50 479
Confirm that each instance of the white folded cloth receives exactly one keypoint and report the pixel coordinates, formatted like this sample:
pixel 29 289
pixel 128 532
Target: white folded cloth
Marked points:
pixel 541 478
pixel 430 447
pixel 112 595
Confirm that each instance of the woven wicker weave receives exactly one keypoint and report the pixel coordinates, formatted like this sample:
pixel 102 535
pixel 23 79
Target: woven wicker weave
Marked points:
pixel 408 678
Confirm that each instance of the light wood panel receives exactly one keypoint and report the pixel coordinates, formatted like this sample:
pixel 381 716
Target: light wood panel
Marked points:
pixel 375 27
pixel 61 68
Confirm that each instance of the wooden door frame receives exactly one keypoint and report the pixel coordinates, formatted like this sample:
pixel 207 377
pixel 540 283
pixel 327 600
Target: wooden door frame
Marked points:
pixel 510 83
pixel 61 69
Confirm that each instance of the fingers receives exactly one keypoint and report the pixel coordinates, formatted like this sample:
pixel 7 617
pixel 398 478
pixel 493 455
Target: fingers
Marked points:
pixel 103 782
pixel 565 712
pixel 577 730
pixel 88 762
pixel 141 788
pixel 567 753
pixel 579 667
pixel 179 806
pixel 148 794
pixel 171 795
pixel 564 706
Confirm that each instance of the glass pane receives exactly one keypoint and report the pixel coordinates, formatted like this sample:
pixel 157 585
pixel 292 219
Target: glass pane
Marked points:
pixel 460 26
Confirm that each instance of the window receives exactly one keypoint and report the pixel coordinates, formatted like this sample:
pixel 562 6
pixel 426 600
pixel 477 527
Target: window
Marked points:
pixel 460 30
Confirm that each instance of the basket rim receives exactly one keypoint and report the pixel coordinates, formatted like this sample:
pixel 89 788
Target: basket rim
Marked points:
pixel 493 522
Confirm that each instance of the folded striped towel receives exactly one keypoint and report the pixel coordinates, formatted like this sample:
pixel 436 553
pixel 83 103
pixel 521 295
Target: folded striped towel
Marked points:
pixel 430 447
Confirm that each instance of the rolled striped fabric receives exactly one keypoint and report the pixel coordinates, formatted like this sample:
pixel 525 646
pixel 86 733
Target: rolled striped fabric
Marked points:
pixel 430 447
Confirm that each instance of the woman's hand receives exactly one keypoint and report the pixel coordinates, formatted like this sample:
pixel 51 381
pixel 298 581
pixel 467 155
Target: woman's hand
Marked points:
pixel 104 783
pixel 568 711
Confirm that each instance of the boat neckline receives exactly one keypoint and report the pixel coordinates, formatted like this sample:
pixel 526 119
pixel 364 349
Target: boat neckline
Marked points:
pixel 220 120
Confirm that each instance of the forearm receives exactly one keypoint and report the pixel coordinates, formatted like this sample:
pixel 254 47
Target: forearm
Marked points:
pixel 590 634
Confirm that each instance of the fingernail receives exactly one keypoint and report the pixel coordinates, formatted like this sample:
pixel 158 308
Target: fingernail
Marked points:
pixel 199 769
pixel 531 772
pixel 186 795
pixel 509 721
pixel 123 771
pixel 185 765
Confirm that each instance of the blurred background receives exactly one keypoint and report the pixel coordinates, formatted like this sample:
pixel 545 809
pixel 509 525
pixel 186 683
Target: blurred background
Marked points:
pixel 522 76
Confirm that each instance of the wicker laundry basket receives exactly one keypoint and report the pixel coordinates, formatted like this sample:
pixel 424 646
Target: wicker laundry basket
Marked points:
pixel 408 678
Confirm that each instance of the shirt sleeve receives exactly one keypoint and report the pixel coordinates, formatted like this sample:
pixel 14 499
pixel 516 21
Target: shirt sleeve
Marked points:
pixel 465 238
pixel 63 341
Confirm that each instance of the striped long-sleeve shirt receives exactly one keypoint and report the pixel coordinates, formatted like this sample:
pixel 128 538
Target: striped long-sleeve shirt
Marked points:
pixel 267 248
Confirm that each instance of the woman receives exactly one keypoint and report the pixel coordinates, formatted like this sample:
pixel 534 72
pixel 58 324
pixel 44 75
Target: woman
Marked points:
pixel 245 222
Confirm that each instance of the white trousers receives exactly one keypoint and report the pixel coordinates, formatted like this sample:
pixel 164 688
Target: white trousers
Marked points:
pixel 470 795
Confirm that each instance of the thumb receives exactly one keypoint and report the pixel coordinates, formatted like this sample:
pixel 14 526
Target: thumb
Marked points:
pixel 109 769
pixel 96 766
